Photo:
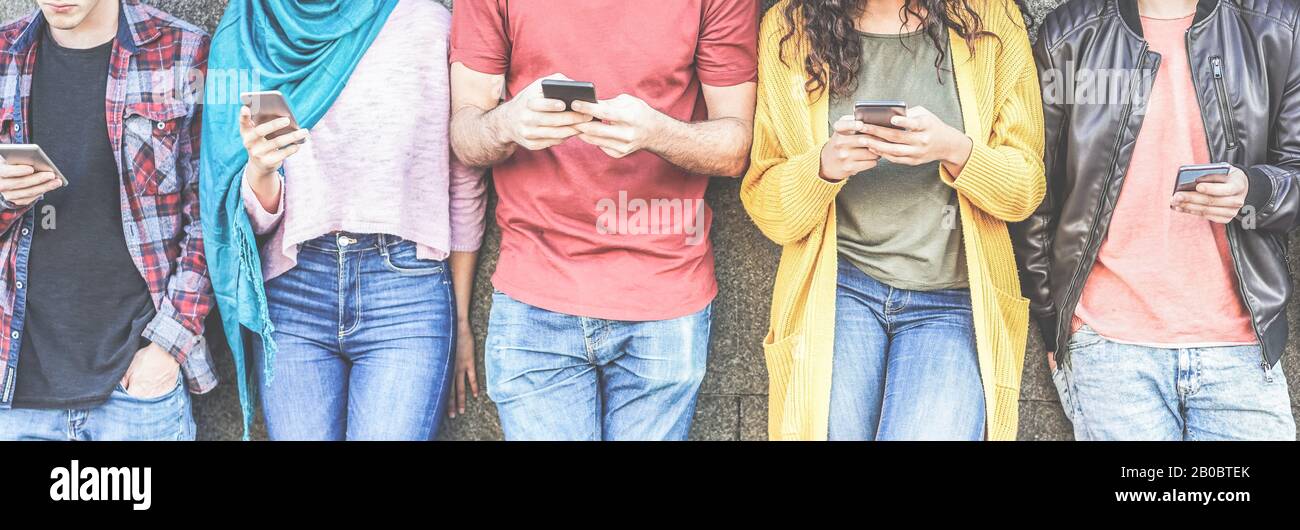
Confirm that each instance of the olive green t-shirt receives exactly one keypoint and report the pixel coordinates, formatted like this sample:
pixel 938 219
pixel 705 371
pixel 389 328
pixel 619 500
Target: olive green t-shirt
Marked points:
pixel 900 224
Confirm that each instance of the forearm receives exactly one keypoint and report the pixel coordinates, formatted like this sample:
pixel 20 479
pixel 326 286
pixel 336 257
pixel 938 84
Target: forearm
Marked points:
pixel 267 189
pixel 716 147
pixel 180 319
pixel 463 265
pixel 478 136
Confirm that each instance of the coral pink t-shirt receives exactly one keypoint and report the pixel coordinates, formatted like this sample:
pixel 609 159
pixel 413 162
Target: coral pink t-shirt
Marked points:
pixel 1164 278
pixel 583 233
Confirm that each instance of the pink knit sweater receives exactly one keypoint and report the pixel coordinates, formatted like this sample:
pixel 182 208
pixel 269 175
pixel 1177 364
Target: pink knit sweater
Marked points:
pixel 380 162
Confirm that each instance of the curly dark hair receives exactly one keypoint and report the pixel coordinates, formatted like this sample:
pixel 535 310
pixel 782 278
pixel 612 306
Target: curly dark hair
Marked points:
pixel 835 49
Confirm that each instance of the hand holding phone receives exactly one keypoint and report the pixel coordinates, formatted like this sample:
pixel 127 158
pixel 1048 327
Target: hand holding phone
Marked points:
pixel 879 112
pixel 568 91
pixel 27 174
pixel 845 153
pixel 534 121
pixel 270 107
pixel 1192 174
pixel 920 138
pixel 1215 192
pixel 270 132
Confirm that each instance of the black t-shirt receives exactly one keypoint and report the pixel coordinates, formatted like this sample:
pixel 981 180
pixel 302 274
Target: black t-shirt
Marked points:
pixel 87 303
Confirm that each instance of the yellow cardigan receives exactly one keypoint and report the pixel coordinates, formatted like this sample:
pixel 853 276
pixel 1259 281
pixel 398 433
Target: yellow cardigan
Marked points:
pixel 1002 182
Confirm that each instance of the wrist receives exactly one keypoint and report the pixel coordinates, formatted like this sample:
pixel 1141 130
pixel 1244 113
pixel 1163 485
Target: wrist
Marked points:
pixel 498 125
pixel 658 127
pixel 960 151
pixel 821 166
pixel 259 177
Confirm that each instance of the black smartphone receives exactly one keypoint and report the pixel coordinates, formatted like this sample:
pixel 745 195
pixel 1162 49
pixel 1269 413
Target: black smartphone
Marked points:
pixel 879 112
pixel 1190 175
pixel 569 91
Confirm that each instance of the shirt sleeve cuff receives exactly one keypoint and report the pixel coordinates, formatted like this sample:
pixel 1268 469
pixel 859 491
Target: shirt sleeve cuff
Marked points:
pixel 169 334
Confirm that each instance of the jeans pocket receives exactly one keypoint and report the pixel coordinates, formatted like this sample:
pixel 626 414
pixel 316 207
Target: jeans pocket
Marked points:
pixel 1061 381
pixel 402 259
pixel 1085 337
pixel 120 392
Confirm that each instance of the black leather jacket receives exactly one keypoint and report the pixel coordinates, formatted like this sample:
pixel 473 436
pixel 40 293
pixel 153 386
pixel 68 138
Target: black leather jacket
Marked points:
pixel 1246 71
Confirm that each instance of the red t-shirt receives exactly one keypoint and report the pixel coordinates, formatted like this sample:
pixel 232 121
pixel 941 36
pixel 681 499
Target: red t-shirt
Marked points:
pixel 583 233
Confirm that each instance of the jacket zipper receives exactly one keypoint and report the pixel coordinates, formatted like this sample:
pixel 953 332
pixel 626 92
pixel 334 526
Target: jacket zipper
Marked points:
pixel 1073 293
pixel 1216 63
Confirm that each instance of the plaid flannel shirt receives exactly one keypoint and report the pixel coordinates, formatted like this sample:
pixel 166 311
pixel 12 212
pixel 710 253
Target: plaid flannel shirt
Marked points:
pixel 155 78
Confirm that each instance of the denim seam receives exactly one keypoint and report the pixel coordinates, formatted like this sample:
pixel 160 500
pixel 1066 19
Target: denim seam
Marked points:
pixel 356 302
pixel 338 321
pixel 588 339
pixel 1080 422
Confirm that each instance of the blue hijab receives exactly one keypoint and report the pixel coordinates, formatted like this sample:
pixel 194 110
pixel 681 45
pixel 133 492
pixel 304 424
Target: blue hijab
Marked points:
pixel 306 49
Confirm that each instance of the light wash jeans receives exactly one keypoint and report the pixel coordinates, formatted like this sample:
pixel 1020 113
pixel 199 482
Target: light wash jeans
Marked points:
pixel 365 333
pixel 561 377
pixel 905 365
pixel 123 418
pixel 1113 391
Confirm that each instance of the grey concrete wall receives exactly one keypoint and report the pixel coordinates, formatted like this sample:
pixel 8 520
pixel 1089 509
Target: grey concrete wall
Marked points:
pixel 733 401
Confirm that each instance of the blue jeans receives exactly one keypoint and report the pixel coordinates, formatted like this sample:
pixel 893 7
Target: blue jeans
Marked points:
pixel 365 333
pixel 123 418
pixel 561 377
pixel 905 365
pixel 1114 391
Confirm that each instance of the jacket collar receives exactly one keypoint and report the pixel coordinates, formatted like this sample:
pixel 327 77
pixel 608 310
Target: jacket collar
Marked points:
pixel 135 28
pixel 1128 11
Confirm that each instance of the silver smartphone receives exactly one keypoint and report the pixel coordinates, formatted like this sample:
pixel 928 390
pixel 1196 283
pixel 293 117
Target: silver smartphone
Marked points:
pixel 268 106
pixel 29 155
pixel 1192 174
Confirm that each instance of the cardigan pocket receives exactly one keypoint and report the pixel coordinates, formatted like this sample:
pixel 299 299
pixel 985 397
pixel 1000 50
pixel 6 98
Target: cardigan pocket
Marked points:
pixel 1009 335
pixel 780 360
pixel 1010 338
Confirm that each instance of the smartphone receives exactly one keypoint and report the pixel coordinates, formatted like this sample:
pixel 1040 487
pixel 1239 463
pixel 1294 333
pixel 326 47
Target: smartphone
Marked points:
pixel 1190 175
pixel 879 112
pixel 30 155
pixel 569 91
pixel 270 106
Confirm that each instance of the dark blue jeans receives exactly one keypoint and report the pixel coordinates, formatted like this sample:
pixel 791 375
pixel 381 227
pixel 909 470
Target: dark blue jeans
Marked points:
pixel 365 332
pixel 905 365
